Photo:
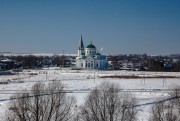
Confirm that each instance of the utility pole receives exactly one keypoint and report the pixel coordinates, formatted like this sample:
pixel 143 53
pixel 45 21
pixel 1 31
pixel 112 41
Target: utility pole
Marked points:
pixel 94 75
pixel 18 76
pixel 63 59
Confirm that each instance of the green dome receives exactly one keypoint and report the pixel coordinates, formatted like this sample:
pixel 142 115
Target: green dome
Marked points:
pixel 91 46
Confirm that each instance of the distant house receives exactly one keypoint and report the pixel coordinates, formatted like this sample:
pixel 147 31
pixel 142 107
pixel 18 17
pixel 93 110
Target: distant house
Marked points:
pixel 2 66
pixel 8 63
pixel 168 67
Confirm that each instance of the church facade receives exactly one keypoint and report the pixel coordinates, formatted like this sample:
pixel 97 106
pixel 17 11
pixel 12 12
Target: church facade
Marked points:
pixel 89 58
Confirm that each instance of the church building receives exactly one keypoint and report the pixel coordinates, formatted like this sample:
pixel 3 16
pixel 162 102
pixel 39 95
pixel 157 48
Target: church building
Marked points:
pixel 89 58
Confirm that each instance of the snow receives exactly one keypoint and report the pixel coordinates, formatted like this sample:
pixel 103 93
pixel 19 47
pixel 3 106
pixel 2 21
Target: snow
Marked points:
pixel 82 81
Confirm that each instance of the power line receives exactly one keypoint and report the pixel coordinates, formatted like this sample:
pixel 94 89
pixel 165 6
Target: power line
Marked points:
pixel 46 94
pixel 157 102
pixel 119 90
pixel 49 92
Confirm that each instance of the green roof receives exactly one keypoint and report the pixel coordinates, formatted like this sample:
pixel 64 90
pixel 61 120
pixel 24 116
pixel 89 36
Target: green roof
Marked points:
pixel 91 46
pixel 82 53
pixel 98 54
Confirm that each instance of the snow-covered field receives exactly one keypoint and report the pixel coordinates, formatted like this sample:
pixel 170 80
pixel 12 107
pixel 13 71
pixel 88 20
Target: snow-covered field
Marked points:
pixel 146 90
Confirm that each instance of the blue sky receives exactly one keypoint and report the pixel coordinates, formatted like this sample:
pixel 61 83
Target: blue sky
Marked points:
pixel 117 26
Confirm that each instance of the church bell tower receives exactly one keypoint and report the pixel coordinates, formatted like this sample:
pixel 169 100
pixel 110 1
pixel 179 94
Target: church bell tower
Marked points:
pixel 81 48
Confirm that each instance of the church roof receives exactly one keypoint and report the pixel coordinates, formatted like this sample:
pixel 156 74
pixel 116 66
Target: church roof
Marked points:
pixel 91 46
pixel 98 54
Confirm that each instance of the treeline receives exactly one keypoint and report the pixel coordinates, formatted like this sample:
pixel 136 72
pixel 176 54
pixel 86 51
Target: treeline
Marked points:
pixel 144 62
pixel 104 103
pixel 135 62
pixel 30 61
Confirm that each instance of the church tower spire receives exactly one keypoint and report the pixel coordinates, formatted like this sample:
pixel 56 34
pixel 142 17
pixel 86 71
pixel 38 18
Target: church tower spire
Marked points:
pixel 81 47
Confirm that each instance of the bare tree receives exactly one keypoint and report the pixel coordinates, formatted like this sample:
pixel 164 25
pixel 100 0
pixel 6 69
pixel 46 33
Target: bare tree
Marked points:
pixel 44 103
pixel 107 103
pixel 169 110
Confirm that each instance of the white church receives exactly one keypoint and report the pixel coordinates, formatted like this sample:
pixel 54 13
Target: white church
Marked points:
pixel 89 58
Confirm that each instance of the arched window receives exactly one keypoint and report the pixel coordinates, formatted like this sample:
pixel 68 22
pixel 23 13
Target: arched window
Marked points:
pixel 92 65
pixel 81 64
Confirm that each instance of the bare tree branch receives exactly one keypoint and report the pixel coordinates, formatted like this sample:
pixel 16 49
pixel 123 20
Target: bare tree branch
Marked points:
pixel 106 103
pixel 34 106
pixel 167 111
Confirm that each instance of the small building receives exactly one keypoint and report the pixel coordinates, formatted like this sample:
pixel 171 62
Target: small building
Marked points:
pixel 3 66
pixel 89 58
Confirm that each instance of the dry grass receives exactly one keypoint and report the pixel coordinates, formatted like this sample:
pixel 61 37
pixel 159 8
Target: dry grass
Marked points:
pixel 137 76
